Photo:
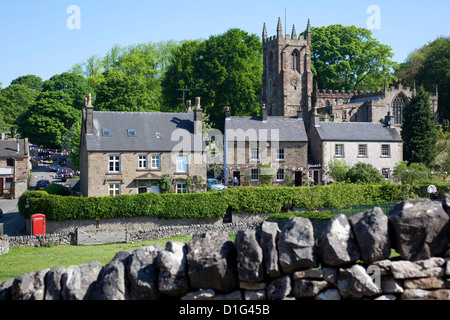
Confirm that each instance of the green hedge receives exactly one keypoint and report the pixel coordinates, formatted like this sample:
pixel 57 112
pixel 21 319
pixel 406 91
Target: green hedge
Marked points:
pixel 214 204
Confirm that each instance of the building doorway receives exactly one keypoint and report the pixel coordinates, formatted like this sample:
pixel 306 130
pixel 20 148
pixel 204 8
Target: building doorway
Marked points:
pixel 298 179
pixel 238 175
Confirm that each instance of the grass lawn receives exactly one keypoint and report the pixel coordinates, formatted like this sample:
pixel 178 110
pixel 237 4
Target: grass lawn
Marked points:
pixel 20 260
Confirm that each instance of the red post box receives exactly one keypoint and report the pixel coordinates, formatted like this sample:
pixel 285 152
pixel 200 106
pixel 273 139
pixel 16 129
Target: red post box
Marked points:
pixel 38 224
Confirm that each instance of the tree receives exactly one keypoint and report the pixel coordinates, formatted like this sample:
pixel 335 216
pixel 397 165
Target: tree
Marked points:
pixel 71 87
pixel 337 169
pixel 411 174
pixel 46 122
pixel 419 132
pixel 31 81
pixel 121 92
pixel 349 58
pixel 224 70
pixel 429 65
pixel 364 173
pixel 14 100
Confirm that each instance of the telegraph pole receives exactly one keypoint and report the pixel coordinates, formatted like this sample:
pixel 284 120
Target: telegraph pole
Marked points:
pixel 183 99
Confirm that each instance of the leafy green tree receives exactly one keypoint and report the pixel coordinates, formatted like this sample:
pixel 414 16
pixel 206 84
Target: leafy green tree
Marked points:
pixel 364 173
pixel 348 57
pixel 429 65
pixel 419 131
pixel 14 100
pixel 121 92
pixel 413 173
pixel 224 70
pixel 71 140
pixel 338 169
pixel 46 122
pixel 30 80
pixel 73 88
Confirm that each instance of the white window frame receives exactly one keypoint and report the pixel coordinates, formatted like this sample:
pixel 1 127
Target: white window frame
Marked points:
pixel 156 161
pixel 181 187
pixel 362 150
pixel 339 147
pixel 114 163
pixel 254 154
pixel 386 172
pixel 384 148
pixel 142 161
pixel 280 175
pixel 254 174
pixel 182 164
pixel 280 154
pixel 114 188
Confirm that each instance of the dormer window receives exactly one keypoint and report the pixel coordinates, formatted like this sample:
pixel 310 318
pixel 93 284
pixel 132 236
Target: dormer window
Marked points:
pixel 131 132
pixel 106 132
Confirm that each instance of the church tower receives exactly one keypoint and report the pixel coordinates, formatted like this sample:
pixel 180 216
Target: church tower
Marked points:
pixel 287 78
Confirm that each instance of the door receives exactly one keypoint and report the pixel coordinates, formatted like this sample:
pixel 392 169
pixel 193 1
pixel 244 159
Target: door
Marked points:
pixel 298 179
pixel 316 177
pixel 1 186
pixel 237 174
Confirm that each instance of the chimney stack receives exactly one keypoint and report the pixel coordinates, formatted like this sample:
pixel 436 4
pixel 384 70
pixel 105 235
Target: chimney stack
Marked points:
pixel 299 113
pixel 264 112
pixel 89 114
pixel 197 117
pixel 227 113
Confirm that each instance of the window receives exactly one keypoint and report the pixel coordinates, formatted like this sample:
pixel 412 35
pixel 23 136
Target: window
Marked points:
pixel 114 163
pixel 254 154
pixel 181 187
pixel 156 162
pixel 295 61
pixel 254 175
pixel 339 150
pixel 398 104
pixel 182 164
pixel 10 162
pixel 106 132
pixel 385 150
pixel 362 150
pixel 142 164
pixel 142 187
pixel 280 175
pixel 280 154
pixel 114 189
pixel 386 173
pixel 131 133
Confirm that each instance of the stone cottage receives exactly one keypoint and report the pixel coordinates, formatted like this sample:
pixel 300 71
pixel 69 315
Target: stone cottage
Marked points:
pixel 131 152
pixel 274 147
pixel 15 166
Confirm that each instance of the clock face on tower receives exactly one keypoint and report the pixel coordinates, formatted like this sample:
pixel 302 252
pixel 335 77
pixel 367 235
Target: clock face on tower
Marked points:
pixel 294 81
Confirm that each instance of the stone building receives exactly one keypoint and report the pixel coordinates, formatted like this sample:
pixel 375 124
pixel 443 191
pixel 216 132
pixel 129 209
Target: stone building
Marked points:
pixel 359 106
pixel 378 144
pixel 15 166
pixel 271 146
pixel 131 152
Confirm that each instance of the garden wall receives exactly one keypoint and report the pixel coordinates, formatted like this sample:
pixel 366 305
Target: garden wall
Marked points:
pixel 354 255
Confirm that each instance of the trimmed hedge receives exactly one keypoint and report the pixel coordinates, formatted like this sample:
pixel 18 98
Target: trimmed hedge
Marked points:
pixel 214 204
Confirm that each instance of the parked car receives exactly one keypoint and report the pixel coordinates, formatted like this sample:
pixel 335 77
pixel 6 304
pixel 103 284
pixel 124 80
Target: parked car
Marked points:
pixel 41 184
pixel 214 184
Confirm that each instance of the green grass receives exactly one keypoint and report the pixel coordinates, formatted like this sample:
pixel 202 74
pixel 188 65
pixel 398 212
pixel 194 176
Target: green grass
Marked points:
pixel 22 260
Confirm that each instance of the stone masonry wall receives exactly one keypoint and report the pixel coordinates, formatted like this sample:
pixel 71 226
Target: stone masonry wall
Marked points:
pixel 350 260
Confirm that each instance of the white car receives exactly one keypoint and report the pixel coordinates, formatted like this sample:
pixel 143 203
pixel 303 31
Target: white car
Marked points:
pixel 214 184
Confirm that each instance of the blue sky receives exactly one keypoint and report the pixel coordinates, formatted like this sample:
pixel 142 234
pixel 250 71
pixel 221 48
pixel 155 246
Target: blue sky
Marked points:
pixel 35 38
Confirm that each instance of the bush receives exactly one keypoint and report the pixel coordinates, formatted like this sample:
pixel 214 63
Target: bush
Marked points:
pixel 214 204
pixel 56 188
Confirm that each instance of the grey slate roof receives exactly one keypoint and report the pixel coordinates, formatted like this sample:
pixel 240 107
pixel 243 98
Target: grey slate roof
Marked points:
pixel 357 131
pixel 153 131
pixel 8 148
pixel 289 128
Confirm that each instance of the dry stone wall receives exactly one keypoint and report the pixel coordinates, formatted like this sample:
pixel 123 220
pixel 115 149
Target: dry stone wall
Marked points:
pixel 350 260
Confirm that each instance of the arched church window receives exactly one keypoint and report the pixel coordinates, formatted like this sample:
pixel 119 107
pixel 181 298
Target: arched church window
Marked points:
pixel 398 104
pixel 295 61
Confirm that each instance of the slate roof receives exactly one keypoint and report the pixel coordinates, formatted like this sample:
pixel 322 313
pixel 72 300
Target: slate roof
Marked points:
pixel 357 131
pixel 153 131
pixel 8 148
pixel 289 128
